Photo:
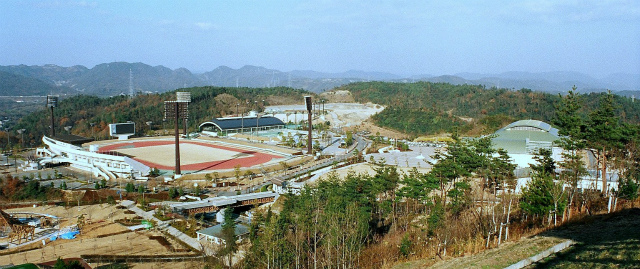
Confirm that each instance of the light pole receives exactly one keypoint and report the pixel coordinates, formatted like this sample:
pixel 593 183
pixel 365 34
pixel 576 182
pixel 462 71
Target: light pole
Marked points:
pixel 149 123
pixel 21 132
pixel 92 124
pixel 257 124
pixel 238 104
pixel 163 128
pixel 8 143
pixel 242 119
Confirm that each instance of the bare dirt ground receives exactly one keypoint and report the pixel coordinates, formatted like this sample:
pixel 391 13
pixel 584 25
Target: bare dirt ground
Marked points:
pixel 368 126
pixel 337 96
pixel 338 114
pixel 101 236
pixel 364 168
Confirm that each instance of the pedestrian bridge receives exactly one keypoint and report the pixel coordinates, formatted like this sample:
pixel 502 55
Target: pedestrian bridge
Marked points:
pixel 216 203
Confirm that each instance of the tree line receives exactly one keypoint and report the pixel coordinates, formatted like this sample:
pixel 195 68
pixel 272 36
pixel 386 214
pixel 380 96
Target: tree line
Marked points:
pixel 423 108
pixel 467 201
pixel 90 116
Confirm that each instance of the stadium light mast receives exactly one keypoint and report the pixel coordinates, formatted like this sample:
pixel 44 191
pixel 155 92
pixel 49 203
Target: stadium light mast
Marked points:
pixel 178 109
pixel 307 100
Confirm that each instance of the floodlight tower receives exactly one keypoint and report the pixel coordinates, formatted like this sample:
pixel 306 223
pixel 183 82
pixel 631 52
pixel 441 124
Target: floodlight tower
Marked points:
pixel 178 109
pixel 52 101
pixel 307 100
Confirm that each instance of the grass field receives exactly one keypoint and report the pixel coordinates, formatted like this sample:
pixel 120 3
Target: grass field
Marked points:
pixel 602 241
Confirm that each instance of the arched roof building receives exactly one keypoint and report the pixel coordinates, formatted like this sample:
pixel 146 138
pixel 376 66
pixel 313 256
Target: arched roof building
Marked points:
pixel 525 137
pixel 240 124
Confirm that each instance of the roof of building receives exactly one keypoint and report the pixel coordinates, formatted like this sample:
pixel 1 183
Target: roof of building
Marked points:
pixel 536 124
pixel 72 139
pixel 216 230
pixel 243 122
pixel 525 136
pixel 221 201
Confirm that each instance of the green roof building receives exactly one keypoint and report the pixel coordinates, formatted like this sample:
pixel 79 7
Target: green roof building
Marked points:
pixel 525 137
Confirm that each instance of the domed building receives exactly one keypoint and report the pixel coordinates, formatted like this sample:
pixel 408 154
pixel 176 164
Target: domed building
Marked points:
pixel 526 137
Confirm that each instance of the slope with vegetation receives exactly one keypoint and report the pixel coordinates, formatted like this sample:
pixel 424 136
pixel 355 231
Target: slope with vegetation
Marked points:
pixel 466 203
pixel 81 112
pixel 430 108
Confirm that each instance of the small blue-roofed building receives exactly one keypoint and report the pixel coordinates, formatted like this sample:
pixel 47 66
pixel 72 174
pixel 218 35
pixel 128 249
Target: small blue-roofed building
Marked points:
pixel 241 124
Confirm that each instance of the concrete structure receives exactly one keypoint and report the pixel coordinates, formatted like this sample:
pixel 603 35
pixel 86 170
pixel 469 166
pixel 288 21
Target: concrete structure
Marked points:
pixel 217 203
pixel 107 166
pixel 241 124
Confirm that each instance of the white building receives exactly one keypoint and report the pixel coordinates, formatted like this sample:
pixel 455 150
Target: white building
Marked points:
pixel 107 166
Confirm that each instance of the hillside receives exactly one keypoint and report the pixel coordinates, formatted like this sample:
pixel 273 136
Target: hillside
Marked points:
pixel 109 79
pixel 206 102
pixel 601 240
pixel 16 85
pixel 424 108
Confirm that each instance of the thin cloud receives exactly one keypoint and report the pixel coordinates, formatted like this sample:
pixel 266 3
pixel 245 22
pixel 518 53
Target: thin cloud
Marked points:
pixel 204 25
pixel 571 11
pixel 66 4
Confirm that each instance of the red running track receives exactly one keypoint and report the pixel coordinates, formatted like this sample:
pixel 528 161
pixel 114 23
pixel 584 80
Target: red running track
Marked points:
pixel 256 158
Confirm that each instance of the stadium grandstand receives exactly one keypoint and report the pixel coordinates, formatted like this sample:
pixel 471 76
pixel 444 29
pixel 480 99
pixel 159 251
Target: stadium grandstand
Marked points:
pixel 105 165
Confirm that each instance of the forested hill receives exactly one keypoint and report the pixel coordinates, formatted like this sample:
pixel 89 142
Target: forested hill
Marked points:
pixel 423 108
pixel 206 103
pixel 18 85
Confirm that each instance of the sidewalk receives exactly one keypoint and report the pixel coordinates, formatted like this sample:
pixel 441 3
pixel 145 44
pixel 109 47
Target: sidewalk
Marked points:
pixel 162 225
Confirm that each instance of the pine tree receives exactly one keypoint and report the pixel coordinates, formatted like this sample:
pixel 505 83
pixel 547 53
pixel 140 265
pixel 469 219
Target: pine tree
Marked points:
pixel 571 124
pixel 536 199
pixel 229 235
pixel 604 133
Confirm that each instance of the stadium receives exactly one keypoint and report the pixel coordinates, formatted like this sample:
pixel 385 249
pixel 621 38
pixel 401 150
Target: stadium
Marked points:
pixel 135 158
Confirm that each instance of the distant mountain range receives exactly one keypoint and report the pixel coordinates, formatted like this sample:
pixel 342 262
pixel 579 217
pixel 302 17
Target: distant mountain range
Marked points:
pixel 113 78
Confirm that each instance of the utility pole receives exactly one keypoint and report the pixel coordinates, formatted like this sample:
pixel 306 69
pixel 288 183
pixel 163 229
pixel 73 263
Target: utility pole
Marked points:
pixel 21 132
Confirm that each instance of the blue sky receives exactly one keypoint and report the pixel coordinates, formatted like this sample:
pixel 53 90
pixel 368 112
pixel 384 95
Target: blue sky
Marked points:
pixel 402 37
